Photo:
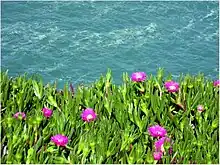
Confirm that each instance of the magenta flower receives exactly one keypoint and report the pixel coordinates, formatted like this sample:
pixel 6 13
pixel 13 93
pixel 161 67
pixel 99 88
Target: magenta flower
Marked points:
pixel 22 114
pixel 216 83
pixel 157 131
pixel 171 86
pixel 88 115
pixel 159 144
pixel 157 155
pixel 47 112
pixel 59 140
pixel 138 76
pixel 200 108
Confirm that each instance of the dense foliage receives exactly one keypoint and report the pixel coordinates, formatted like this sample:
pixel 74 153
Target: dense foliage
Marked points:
pixel 120 133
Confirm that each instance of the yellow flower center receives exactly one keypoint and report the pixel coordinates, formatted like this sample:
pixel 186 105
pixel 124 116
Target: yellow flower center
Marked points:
pixel 139 76
pixel 172 87
pixel 89 117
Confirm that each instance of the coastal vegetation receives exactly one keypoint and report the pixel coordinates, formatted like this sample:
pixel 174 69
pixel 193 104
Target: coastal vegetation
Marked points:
pixel 147 119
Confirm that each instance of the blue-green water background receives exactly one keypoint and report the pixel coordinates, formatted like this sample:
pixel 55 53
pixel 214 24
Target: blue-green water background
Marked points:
pixel 77 41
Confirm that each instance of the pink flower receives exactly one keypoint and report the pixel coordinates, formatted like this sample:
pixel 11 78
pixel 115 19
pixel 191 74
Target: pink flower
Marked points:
pixel 138 76
pixel 59 140
pixel 216 83
pixel 200 108
pixel 47 112
pixel 171 86
pixel 160 143
pixel 22 114
pixel 157 131
pixel 157 155
pixel 88 115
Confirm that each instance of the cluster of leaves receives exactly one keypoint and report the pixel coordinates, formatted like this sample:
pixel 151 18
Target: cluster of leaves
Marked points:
pixel 119 134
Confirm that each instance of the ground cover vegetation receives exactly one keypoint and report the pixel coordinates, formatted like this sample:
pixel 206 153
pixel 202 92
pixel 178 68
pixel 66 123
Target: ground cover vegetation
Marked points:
pixel 146 119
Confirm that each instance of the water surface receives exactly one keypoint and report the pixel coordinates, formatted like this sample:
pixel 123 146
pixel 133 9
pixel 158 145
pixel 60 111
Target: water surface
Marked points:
pixel 77 41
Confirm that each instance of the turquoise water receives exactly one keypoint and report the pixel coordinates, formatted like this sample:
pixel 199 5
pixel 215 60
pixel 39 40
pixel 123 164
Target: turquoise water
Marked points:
pixel 77 41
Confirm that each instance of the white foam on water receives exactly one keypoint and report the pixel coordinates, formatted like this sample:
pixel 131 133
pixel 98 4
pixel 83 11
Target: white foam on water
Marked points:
pixel 212 12
pixel 212 37
pixel 86 40
pixel 80 78
pixel 187 27
pixel 49 67
pixel 79 45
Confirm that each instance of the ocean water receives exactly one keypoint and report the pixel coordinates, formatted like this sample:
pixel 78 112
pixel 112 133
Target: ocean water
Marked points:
pixel 77 41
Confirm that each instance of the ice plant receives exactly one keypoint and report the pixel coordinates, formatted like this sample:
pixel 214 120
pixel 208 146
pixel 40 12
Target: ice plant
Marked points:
pixel 157 131
pixel 216 83
pixel 200 108
pixel 159 144
pixel 47 112
pixel 157 155
pixel 171 86
pixel 59 140
pixel 138 76
pixel 22 114
pixel 88 115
